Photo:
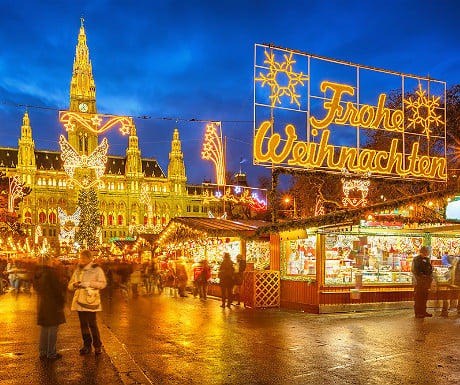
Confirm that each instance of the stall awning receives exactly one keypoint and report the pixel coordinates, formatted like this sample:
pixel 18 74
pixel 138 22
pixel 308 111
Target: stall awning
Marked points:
pixel 350 215
pixel 182 229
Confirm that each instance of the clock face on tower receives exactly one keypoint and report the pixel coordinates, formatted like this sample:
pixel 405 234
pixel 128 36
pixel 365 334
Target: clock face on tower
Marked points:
pixel 83 107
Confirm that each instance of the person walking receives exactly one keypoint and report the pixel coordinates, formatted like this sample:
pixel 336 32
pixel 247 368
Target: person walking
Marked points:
pixel 201 275
pixel 226 279
pixel 11 269
pixel 238 277
pixel 87 280
pixel 181 276
pixel 51 299
pixel 423 276
pixel 455 284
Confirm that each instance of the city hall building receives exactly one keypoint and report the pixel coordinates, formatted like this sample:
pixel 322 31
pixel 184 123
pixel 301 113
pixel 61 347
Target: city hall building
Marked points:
pixel 119 192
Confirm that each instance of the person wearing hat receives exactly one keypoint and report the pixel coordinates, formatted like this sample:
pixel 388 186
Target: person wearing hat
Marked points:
pixel 423 276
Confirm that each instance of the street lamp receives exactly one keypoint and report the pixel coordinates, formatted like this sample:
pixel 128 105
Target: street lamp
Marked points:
pixel 287 200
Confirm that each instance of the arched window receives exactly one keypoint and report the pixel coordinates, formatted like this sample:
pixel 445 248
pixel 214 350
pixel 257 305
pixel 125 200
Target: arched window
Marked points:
pixel 154 221
pixel 52 217
pixel 120 220
pixel 146 220
pixel 28 217
pixel 42 217
pixel 102 218
pixel 110 219
pixel 163 221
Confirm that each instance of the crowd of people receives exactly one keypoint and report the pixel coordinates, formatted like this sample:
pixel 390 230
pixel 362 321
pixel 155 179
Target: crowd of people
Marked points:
pixel 51 278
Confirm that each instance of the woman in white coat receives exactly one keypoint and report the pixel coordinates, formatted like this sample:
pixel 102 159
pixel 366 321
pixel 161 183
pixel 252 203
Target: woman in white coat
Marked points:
pixel 87 280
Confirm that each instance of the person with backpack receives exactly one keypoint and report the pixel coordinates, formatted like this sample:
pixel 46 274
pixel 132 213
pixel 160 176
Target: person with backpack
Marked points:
pixel 226 280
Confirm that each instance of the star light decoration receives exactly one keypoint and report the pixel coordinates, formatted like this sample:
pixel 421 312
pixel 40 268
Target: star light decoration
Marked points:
pixel 213 150
pixel 68 225
pixel 279 73
pixel 72 160
pixel 93 123
pixel 15 191
pixel 423 111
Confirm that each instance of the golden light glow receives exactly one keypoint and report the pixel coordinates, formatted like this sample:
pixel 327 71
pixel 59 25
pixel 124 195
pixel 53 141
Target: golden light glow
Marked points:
pixel 244 197
pixel 72 160
pixel 354 202
pixel 213 150
pixel 319 208
pixel 278 72
pixel 366 116
pixel 38 233
pixel 361 185
pixel 93 122
pixel 275 150
pixel 15 191
pixel 423 111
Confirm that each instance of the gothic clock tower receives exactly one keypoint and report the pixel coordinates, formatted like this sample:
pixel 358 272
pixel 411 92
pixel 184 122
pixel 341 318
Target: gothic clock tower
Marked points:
pixel 82 96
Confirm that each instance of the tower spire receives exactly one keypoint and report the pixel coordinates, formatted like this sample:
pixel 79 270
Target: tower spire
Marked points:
pixel 176 168
pixel 82 87
pixel 26 153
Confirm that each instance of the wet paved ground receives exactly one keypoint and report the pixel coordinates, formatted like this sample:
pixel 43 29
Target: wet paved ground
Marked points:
pixel 167 340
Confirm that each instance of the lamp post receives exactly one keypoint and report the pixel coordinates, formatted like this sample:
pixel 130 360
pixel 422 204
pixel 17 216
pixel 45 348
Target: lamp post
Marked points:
pixel 287 200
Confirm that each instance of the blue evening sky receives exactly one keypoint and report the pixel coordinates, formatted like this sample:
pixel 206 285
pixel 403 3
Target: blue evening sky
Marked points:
pixel 194 60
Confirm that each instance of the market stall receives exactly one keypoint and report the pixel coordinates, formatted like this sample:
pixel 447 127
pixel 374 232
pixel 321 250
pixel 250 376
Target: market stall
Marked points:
pixel 196 239
pixel 361 258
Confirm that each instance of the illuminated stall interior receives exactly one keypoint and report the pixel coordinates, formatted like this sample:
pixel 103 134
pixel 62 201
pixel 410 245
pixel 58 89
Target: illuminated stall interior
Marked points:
pixel 369 248
pixel 196 239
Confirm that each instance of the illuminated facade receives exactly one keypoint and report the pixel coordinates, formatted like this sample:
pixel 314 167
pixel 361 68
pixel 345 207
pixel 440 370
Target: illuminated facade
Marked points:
pixel 123 180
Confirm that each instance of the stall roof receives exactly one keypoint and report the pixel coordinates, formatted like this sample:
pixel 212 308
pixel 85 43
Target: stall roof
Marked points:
pixel 346 216
pixel 184 228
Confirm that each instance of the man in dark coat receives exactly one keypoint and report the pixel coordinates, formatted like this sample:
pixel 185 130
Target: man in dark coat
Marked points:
pixel 423 276
pixel 51 299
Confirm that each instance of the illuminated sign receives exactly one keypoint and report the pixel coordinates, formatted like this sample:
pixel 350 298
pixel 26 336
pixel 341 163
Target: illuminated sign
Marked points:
pixel 303 121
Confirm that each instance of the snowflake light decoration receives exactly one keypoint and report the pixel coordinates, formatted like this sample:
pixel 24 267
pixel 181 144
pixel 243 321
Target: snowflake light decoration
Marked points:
pixel 423 111
pixel 278 74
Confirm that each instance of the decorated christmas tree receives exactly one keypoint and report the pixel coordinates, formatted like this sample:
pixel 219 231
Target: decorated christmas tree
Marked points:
pixel 89 219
